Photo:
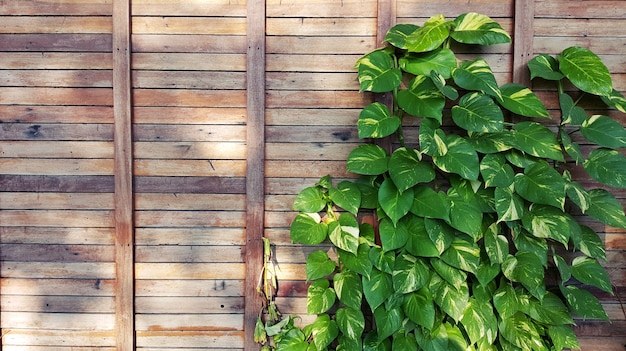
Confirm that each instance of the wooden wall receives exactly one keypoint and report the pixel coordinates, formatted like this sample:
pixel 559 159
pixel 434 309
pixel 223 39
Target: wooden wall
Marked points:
pixel 195 120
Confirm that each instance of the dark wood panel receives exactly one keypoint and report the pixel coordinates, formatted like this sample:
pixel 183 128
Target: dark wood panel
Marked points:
pixel 192 185
pixel 56 114
pixel 49 183
pixel 53 131
pixel 56 253
pixel 182 133
pixel 56 42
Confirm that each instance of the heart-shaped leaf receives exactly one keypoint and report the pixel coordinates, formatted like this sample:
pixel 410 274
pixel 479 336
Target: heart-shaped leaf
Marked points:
pixel 585 70
pixel 537 140
pixel 351 322
pixel 387 321
pixel 430 36
pixel 310 199
pixel 399 33
pixel 419 308
pixel 406 169
pixel 396 204
pixel 606 208
pixel 544 66
pixel 308 229
pixel 583 303
pixel 377 72
pixel 541 184
pixel 463 254
pixel 422 99
pixel 461 158
pixel 509 205
pixel 587 270
pixel 323 330
pixel 607 166
pixel 570 113
pixel 520 331
pixel 522 101
pixel 440 233
pixel 563 337
pixel 604 131
pixel 320 297
pixel 367 159
pixel 392 236
pixel 442 61
pixel 344 233
pixel 479 321
pixel 477 75
pixel 409 274
pixel 496 245
pixel 377 288
pixel 475 28
pixel 477 112
pixel 452 300
pixel 496 171
pixel 376 121
pixel 348 287
pixel 548 222
pixel 419 243
pixel 615 100
pixel 318 265
pixel 589 243
pixel 346 195
pixel 527 269
pixel 430 204
pixel 360 262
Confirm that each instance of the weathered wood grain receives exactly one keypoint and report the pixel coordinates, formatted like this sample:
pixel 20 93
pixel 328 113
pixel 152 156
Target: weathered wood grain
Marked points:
pixel 57 287
pixel 207 80
pixel 56 78
pixel 580 9
pixel 57 24
pixel 57 253
pixel 54 7
pixel 57 218
pixel 182 61
pixel 56 42
pixel 223 340
pixel 311 62
pixel 58 270
pixel 189 25
pixel 191 288
pixel 189 254
pixel 180 201
pixel 327 27
pixel 56 114
pixel 320 45
pixel 190 168
pixel 56 96
pixel 189 133
pixel 188 98
pixel 190 305
pixel 56 149
pixel 58 304
pixel 218 8
pixel 70 167
pixel 191 115
pixel 55 60
pixel 66 321
pixel 52 183
pixel 199 236
pixel 451 9
pixel 189 218
pixel 210 184
pixel 24 339
pixel 180 43
pixel 189 270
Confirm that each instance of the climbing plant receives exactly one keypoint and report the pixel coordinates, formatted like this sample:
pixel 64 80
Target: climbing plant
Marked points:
pixel 477 242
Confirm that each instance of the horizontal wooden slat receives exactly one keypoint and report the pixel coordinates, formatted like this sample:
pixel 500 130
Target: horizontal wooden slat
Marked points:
pixel 311 81
pixel 220 340
pixel 66 321
pixel 295 169
pixel 190 115
pixel 58 304
pixel 56 149
pixel 328 27
pixel 303 8
pixel 188 8
pixel 578 9
pixel 58 270
pixel 189 305
pixel 176 201
pixel 208 80
pixel 57 7
pixel 55 114
pixel 56 42
pixel 181 61
pixel 32 166
pixel 208 184
pixel 188 98
pixel 190 168
pixel 576 27
pixel 189 133
pixel 57 253
pixel 554 45
pixel 311 62
pixel 320 45
pixel 302 134
pixel 82 132
pixel 27 338
pixel 60 218
pixel 188 254
pixel 55 60
pixel 189 322
pixel 223 44
pixel 58 287
pixel 312 117
pixel 316 99
pixel 190 150
pixel 51 183
pixel 50 24
pixel 189 25
pixel 189 218
pixel 189 270
pixel 190 236
pixel 56 78
pixel 452 9
pixel 56 96
pixel 191 288
pixel 51 201
pixel 309 151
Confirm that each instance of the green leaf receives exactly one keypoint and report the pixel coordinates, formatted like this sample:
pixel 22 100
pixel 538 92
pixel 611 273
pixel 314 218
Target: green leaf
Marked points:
pixel 377 72
pixel 505 301
pixel 526 268
pixel 409 274
pixel 606 208
pixel 487 272
pixel 466 216
pixel 522 101
pixel 419 308
pixel 551 310
pixel 308 229
pixel 615 100
pixel 441 61
pixel 440 83
pixel 293 340
pixel 351 322
pixel 383 260
pixel 478 112
pixel 387 321
pixel 360 262
pixel 432 138
pixel 320 297
pixel 563 337
pixel 572 148
pixel 422 98
pixel 392 236
pixel 548 222
pixel 541 184
pixel 376 121
pixel 396 204
pixel 345 233
pixel 406 169
pixel 479 321
pixel 521 332
pixel 544 66
pixel 477 75
pixel 399 33
pixel 377 288
pixel 585 70
pixel 318 265
pixel 496 245
pixel 563 268
pixel 440 233
pixel 461 158
pixel 404 342
pixel 454 276
pixel 419 244
pixel 430 204
pixel 520 159
pixel 309 199
pixel 604 131
pixel 537 140
pixel 588 271
pixel 570 113
pixel 452 300
pixel 475 28
pixel 607 166
pixel 348 287
pixel 509 206
pixel 495 171
pixel 323 330
pixel 490 143
pixel 463 254
pixel 430 36
pixel 524 241
pixel 583 303
pixel 589 243
pixel 367 159
pixel 347 196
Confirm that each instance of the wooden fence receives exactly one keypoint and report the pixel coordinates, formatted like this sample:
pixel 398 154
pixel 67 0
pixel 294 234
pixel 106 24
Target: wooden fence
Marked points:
pixel 148 145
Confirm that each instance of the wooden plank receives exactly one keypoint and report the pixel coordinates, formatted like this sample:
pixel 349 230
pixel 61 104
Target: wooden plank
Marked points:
pixel 56 42
pixel 57 218
pixel 189 218
pixel 49 24
pixel 286 62
pixel 218 8
pixel 58 270
pixel 56 96
pixel 302 134
pixel 190 133
pixel 189 25
pixel 192 115
pixel 523 38
pixel 451 9
pixel 191 236
pixel 190 271
pixel 70 167
pixel 50 201
pixel 211 80
pixel 58 287
pixel 188 98
pixel 191 288
pixel 190 305
pixel 55 60
pixel 57 78
pixel 56 114
pixel 303 8
pixel 333 26
pixel 86 133
pixel 45 183
pixel 188 254
pixel 177 201
pixel 67 321
pixel 298 169
pixel 316 99
pixel 190 168
pixel 599 45
pixel 309 151
pixel 56 149
pixel 58 304
pixel 576 27
pixel 124 220
pixel 193 185
pixel 26 339
pixel 182 61
pixel 57 7
pixel 189 322
pixel 311 81
pixel 311 117
pixel 190 150
pixel 57 253
pixel 179 43
pixel 578 9
pixel 320 45
pixel 222 340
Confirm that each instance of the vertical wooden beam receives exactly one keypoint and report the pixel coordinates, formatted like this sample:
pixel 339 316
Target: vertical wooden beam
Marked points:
pixel 523 37
pixel 385 18
pixel 255 165
pixel 124 226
